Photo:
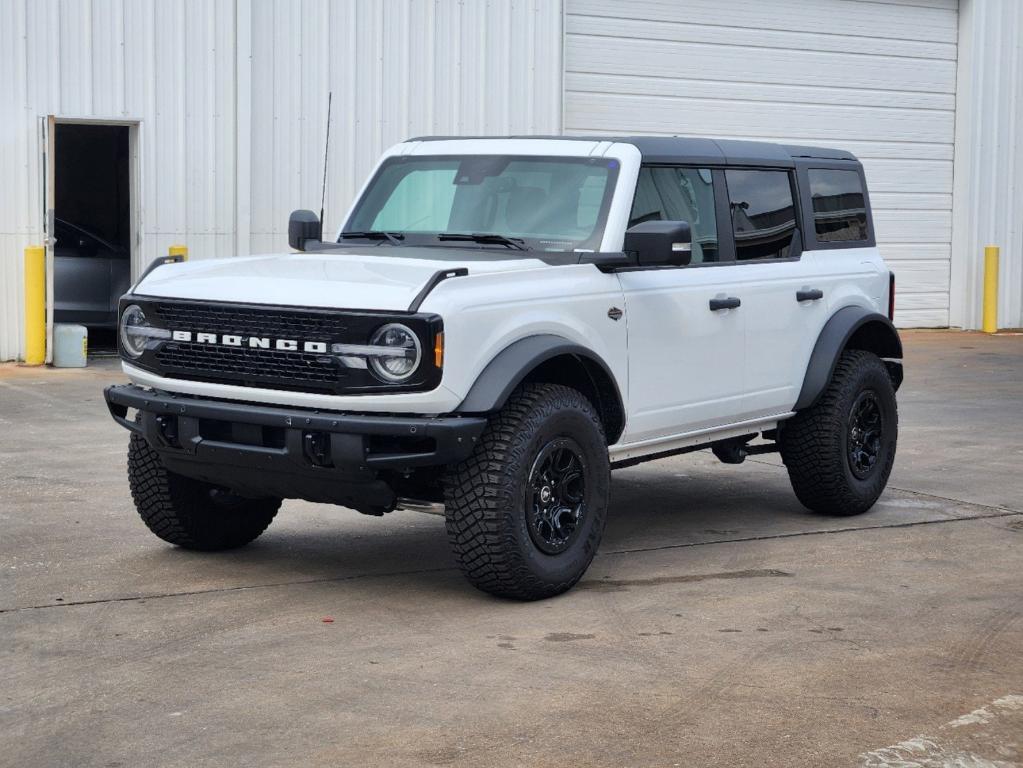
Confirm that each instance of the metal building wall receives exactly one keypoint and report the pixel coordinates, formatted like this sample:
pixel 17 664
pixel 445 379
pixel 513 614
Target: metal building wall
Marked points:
pixel 988 208
pixel 396 69
pixel 168 64
pixel 877 78
pixel 231 100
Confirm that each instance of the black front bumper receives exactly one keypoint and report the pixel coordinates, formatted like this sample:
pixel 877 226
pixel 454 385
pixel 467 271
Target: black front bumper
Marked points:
pixel 259 450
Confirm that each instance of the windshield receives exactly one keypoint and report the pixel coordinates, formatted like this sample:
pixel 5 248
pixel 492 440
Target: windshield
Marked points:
pixel 536 203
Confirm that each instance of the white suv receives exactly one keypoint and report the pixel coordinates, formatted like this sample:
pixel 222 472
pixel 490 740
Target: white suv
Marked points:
pixel 502 321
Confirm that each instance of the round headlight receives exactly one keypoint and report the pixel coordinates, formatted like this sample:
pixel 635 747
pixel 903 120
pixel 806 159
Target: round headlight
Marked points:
pixel 403 363
pixel 133 319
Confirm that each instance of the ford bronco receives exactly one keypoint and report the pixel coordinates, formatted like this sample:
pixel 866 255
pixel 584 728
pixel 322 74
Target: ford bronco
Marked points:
pixel 500 322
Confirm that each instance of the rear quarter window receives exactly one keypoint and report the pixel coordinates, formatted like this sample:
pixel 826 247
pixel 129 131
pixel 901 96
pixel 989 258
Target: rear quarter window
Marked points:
pixel 839 207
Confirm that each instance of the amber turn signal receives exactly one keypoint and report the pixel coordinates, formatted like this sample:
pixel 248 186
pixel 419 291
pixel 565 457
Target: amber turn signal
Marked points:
pixel 438 350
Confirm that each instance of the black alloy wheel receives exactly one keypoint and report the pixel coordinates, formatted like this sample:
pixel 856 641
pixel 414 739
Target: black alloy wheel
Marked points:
pixel 866 426
pixel 556 496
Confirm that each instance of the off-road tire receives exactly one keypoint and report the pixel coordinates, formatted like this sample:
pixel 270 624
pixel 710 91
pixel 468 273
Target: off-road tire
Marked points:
pixel 487 495
pixel 191 513
pixel 815 443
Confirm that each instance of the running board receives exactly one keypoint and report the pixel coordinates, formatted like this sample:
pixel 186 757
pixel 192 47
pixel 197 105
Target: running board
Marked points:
pixel 634 453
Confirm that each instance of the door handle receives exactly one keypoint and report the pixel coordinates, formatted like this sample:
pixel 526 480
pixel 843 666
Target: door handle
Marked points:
pixel 809 294
pixel 730 302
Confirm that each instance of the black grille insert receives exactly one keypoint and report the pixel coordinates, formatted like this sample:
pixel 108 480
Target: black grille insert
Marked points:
pixel 254 321
pixel 286 368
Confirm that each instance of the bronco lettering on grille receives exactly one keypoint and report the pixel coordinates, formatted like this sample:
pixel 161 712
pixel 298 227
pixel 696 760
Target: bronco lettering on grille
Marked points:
pixel 253 342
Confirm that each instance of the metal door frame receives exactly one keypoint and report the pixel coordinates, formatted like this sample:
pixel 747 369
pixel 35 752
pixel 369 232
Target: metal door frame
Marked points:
pixel 47 173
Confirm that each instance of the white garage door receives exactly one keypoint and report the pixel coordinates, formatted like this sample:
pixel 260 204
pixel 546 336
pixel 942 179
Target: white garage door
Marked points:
pixel 876 78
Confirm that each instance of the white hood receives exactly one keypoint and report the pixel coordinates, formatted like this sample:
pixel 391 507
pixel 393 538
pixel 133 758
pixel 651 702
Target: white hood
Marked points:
pixel 341 279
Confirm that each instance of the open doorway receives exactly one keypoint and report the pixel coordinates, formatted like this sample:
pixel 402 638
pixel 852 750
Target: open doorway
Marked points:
pixel 92 227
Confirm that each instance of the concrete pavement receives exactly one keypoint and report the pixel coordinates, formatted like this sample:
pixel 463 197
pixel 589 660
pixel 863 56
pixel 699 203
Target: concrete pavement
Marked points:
pixel 721 623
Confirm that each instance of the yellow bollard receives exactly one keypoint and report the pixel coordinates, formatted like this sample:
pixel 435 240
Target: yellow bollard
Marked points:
pixel 35 305
pixel 178 250
pixel 990 289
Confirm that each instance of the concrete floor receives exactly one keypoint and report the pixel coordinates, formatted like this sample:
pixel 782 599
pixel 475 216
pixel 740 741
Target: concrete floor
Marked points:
pixel 721 624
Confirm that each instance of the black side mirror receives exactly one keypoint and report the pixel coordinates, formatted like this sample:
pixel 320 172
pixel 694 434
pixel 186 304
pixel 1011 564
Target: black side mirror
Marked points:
pixel 660 243
pixel 303 226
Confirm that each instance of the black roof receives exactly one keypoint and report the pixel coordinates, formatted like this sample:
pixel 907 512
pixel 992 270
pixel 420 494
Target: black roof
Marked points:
pixel 668 149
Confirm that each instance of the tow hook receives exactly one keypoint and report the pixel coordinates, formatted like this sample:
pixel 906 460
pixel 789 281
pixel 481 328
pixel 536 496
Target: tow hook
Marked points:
pixel 168 426
pixel 316 447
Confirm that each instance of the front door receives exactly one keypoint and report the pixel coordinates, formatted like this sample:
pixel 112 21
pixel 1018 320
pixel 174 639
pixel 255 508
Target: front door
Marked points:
pixel 686 347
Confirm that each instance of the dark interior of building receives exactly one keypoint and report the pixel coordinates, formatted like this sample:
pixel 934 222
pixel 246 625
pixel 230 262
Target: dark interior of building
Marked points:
pixel 92 180
pixel 92 253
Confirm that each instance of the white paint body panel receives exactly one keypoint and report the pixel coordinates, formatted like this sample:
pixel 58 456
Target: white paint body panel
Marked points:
pixel 694 370
pixel 685 362
pixel 340 280
pixel 781 331
pixel 439 400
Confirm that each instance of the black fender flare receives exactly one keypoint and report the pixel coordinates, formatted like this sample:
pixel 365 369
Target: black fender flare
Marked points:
pixel 511 365
pixel 834 338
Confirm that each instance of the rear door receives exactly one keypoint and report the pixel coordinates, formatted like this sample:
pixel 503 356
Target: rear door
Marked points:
pixel 685 358
pixel 782 294
pixel 840 236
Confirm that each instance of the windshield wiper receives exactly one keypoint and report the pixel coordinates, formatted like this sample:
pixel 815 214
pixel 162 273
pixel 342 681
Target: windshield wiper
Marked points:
pixel 485 238
pixel 394 237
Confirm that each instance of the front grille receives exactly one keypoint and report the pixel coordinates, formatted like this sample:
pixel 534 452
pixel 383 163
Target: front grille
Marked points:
pixel 244 365
pixel 254 321
pixel 288 370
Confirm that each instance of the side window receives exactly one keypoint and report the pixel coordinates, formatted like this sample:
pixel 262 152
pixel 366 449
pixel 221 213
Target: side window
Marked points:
pixel 763 213
pixel 839 210
pixel 679 194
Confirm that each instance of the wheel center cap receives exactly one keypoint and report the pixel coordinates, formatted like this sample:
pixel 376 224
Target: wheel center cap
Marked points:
pixel 545 494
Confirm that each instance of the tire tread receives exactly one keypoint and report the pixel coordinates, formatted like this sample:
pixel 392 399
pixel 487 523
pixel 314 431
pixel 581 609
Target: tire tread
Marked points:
pixel 179 510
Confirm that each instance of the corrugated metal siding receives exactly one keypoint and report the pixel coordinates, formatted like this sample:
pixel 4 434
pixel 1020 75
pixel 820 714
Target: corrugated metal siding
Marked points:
pixel 989 160
pixel 397 69
pixel 876 78
pixel 168 64
pixel 212 155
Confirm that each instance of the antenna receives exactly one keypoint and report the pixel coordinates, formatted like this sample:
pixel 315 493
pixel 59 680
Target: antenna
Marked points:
pixel 326 149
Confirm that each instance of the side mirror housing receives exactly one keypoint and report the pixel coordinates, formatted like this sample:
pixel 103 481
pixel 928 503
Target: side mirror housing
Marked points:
pixel 660 243
pixel 303 227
